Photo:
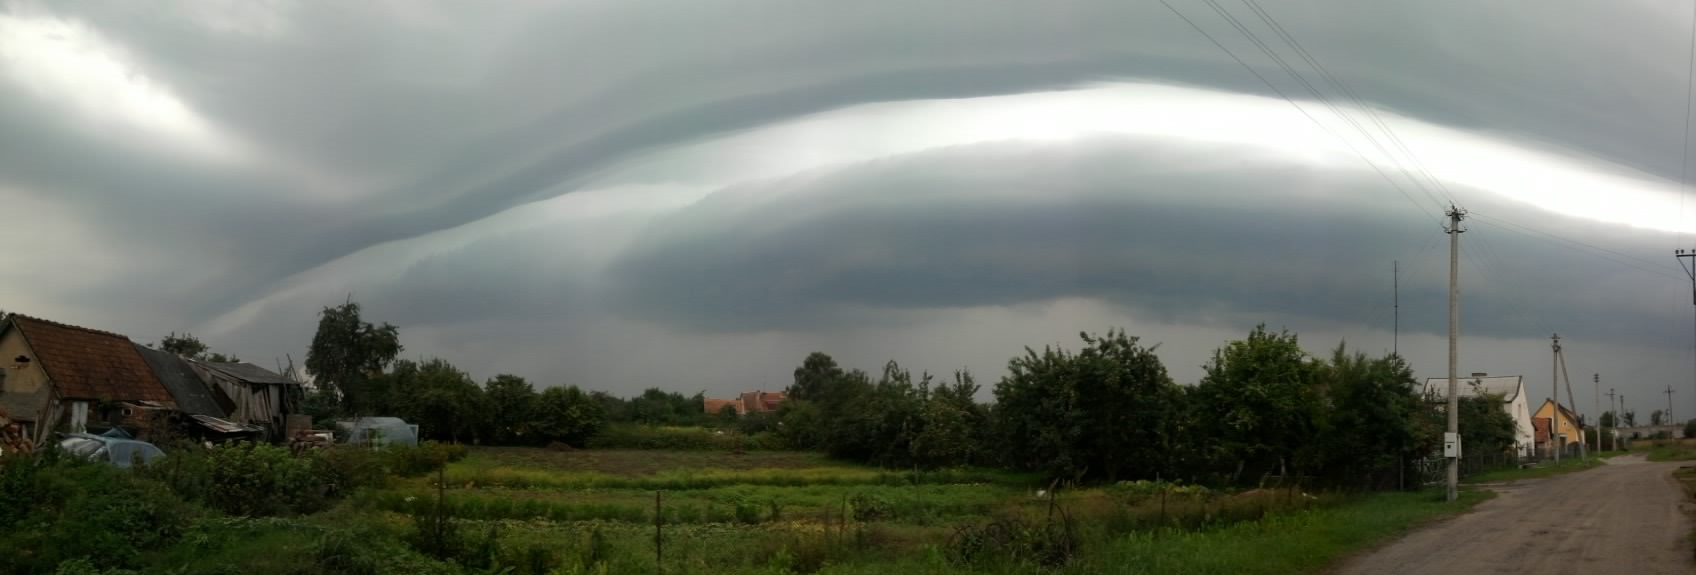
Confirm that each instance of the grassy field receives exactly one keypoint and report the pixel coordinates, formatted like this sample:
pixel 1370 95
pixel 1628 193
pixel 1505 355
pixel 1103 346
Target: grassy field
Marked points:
pixel 591 511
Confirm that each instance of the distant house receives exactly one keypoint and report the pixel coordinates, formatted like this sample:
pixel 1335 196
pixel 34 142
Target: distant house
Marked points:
pixel 1511 388
pixel 1565 425
pixel 252 395
pixel 64 377
pixel 748 402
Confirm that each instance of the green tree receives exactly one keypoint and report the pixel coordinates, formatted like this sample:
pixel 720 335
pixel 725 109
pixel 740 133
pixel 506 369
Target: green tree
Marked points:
pixel 1485 428
pixel 727 416
pixel 1374 424
pixel 1690 429
pixel 1608 419
pixel 816 379
pixel 955 426
pixel 1630 417
pixel 512 400
pixel 567 415
pixel 347 351
pixel 1655 417
pixel 1258 405
pixel 1110 411
pixel 444 401
pixel 188 346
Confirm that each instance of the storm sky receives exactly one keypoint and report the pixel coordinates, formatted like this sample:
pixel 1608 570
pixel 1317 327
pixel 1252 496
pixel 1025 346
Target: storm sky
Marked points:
pixel 694 195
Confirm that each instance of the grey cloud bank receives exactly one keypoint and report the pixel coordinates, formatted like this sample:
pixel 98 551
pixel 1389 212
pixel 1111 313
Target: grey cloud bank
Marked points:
pixel 369 128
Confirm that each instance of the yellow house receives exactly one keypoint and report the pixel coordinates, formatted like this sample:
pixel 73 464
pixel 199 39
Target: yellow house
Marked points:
pixel 1566 425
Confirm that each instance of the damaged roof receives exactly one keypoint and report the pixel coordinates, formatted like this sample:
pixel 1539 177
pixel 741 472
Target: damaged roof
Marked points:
pixel 250 373
pixel 179 379
pixel 88 364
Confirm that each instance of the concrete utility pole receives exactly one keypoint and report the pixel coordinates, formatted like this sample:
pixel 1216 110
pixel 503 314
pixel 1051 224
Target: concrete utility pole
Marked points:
pixel 1597 379
pixel 1690 270
pixel 1666 418
pixel 1583 446
pixel 1455 216
pixel 1396 302
pixel 1555 414
pixel 1613 438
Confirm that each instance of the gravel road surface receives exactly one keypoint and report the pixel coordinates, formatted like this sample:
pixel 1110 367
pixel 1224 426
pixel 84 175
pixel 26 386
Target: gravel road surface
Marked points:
pixel 1624 517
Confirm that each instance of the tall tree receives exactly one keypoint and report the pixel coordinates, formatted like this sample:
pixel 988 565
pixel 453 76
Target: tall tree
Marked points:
pixel 567 415
pixel 444 401
pixel 1375 425
pixel 1110 411
pixel 1655 417
pixel 347 351
pixel 1259 405
pixel 1630 417
pixel 512 401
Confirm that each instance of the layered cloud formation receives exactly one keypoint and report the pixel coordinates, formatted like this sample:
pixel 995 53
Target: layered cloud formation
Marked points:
pixel 693 196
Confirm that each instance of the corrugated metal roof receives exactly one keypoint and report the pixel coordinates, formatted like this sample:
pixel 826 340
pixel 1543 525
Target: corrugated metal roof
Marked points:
pixel 87 364
pixel 224 425
pixel 190 391
pixel 250 373
pixel 1506 386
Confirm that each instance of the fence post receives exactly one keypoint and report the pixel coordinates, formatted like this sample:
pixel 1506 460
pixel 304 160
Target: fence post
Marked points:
pixel 659 523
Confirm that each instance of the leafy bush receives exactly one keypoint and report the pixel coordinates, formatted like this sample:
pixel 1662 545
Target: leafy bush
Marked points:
pixel 258 480
pixel 59 511
pixel 410 461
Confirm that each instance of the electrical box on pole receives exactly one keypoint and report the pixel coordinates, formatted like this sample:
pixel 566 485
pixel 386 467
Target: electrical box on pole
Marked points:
pixel 1451 445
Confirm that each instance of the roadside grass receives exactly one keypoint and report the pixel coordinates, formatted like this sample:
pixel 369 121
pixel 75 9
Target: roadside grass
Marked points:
pixel 1540 470
pixel 1686 477
pixel 1670 450
pixel 1298 542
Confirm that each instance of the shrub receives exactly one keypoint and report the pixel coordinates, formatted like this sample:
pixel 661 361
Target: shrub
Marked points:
pixel 258 480
pixel 71 510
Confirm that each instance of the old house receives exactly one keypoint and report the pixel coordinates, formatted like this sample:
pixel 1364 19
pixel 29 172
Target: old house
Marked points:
pixel 63 377
pixel 195 398
pixel 1565 426
pixel 252 395
pixel 1511 390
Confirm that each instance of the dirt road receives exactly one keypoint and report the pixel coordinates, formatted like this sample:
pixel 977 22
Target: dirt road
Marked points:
pixel 1623 517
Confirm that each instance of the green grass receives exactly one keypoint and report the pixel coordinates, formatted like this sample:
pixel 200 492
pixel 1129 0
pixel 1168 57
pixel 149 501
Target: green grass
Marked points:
pixel 1671 451
pixel 1299 542
pixel 1540 470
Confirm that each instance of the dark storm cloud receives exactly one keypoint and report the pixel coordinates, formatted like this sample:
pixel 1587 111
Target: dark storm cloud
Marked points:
pixel 447 114
pixel 1164 228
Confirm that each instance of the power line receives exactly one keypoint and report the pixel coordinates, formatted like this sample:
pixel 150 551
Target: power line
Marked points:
pixel 1291 71
pixel 1298 108
pixel 1684 161
pixel 1340 86
pixel 1577 246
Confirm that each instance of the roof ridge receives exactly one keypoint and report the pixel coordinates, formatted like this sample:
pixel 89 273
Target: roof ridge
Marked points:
pixel 17 316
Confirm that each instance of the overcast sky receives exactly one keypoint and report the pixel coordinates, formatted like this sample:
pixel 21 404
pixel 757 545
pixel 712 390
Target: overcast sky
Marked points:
pixel 694 195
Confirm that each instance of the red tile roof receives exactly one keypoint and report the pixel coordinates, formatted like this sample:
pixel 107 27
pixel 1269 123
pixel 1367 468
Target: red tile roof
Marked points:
pixel 85 363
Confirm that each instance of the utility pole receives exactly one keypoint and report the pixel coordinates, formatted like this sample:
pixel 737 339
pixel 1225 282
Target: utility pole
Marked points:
pixel 1597 379
pixel 1583 451
pixel 1666 418
pixel 1613 438
pixel 1455 216
pixel 1396 298
pixel 1555 414
pixel 1690 270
